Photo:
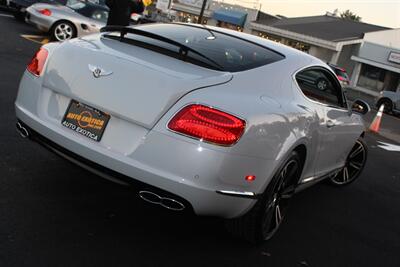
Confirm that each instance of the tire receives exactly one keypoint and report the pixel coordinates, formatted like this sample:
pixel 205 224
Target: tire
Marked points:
pixel 264 219
pixel 388 105
pixel 322 84
pixel 355 164
pixel 63 31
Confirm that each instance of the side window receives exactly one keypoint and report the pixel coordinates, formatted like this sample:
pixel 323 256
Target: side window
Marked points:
pixel 319 85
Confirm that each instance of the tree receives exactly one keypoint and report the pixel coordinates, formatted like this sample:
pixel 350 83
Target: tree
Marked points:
pixel 350 15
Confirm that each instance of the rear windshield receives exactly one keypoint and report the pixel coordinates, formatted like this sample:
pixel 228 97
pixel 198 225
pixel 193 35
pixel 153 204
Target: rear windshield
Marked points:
pixel 230 53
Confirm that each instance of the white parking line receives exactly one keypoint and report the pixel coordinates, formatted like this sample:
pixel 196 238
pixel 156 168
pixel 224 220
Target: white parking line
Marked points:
pixel 389 147
pixel 36 38
pixel 6 15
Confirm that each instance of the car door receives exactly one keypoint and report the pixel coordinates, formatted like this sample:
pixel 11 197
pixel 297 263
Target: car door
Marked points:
pixel 336 132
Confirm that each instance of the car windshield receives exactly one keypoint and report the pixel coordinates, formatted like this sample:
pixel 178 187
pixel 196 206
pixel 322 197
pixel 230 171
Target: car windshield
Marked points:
pixel 230 53
pixel 89 10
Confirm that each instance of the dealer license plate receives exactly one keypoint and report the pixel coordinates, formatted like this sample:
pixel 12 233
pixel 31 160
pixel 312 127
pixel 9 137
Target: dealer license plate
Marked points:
pixel 85 120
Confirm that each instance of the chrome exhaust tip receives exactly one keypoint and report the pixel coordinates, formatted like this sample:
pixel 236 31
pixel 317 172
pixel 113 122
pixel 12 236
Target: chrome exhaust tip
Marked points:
pixel 164 202
pixel 23 132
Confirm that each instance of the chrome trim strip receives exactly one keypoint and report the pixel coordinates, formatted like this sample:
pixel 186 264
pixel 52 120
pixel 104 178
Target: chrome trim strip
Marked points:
pixel 245 194
pixel 321 177
pixel 309 179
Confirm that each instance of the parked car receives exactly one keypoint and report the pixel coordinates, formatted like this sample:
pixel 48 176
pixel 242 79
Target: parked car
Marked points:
pixel 199 118
pixel 390 100
pixel 19 6
pixel 76 18
pixel 341 74
pixel 5 3
pixel 314 78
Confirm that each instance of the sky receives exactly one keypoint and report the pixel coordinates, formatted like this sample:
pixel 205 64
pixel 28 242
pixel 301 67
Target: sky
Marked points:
pixel 379 12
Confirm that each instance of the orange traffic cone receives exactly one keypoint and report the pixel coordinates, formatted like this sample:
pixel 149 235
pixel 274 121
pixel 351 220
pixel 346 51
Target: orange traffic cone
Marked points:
pixel 376 123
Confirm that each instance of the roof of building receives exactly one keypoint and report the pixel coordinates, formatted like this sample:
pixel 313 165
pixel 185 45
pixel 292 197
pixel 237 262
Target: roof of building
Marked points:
pixel 325 27
pixel 267 18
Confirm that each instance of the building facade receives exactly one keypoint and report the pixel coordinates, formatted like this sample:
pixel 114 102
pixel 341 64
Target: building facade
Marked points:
pixel 328 37
pixel 235 15
pixel 369 53
pixel 377 65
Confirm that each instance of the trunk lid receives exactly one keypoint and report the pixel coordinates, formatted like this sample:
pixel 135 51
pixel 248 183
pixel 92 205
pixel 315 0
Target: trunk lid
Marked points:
pixel 137 84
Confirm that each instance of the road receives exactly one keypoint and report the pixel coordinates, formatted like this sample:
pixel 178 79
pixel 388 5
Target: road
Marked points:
pixel 53 213
pixel 389 127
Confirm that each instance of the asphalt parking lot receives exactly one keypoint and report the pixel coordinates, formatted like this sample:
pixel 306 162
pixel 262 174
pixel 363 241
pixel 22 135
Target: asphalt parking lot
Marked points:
pixel 53 213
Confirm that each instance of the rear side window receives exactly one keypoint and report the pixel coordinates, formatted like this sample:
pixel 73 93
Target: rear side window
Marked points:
pixel 230 53
pixel 319 85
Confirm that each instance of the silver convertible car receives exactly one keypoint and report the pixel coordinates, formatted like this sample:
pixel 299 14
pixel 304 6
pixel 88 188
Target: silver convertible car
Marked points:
pixel 201 119
pixel 64 22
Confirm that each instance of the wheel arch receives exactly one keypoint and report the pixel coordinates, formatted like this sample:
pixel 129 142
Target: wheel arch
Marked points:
pixel 302 150
pixel 384 98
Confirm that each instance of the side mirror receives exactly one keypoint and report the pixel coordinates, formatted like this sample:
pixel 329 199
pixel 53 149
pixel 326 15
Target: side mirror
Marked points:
pixel 360 106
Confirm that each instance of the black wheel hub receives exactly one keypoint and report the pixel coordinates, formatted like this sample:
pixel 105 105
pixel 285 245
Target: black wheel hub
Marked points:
pixel 276 206
pixel 354 164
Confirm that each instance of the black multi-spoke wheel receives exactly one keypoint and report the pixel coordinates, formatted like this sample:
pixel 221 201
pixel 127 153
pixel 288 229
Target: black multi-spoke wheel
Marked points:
pixel 264 219
pixel 354 165
pixel 277 203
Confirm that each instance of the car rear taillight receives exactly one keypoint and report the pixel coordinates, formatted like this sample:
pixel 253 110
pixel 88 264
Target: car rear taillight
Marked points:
pixel 45 12
pixel 341 78
pixel 208 124
pixel 37 63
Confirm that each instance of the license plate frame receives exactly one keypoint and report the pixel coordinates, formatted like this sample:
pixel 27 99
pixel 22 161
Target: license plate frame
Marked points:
pixel 85 120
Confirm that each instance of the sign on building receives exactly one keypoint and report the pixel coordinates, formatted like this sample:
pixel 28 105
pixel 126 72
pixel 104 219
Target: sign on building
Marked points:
pixel 194 3
pixel 163 4
pixel 394 57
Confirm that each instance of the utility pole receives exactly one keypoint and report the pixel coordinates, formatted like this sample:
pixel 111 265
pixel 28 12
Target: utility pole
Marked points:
pixel 200 20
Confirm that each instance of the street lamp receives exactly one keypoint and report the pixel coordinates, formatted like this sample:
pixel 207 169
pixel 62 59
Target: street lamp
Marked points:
pixel 200 20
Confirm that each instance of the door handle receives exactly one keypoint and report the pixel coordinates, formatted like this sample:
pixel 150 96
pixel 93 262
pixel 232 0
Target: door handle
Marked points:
pixel 330 124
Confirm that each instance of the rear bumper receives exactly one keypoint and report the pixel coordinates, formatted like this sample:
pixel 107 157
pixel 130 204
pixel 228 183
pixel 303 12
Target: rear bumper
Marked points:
pixel 98 169
pixel 199 195
pixel 43 23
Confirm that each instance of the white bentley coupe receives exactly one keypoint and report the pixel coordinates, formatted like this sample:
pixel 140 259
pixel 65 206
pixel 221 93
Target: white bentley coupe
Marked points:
pixel 202 119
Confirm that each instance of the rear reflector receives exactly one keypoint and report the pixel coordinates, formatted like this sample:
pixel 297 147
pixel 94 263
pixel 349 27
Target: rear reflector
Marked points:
pixel 250 178
pixel 45 12
pixel 208 124
pixel 37 63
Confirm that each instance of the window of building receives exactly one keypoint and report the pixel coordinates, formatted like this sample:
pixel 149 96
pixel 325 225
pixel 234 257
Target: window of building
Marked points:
pixel 189 18
pixel 371 77
pixel 319 85
pixel 292 43
pixel 230 26
pixel 270 37
pixel 299 45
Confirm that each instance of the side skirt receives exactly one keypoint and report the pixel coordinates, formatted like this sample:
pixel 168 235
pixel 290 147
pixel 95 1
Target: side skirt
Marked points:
pixel 309 181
